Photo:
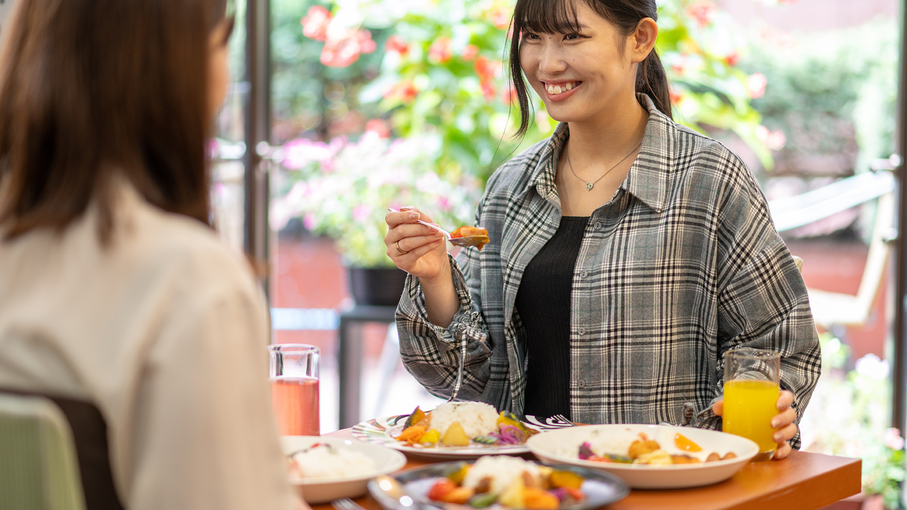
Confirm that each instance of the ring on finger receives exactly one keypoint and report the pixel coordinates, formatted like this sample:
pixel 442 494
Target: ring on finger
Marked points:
pixel 399 249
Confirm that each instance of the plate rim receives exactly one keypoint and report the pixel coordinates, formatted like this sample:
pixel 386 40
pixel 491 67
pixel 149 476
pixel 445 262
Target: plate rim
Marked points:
pixel 646 468
pixel 616 480
pixel 399 461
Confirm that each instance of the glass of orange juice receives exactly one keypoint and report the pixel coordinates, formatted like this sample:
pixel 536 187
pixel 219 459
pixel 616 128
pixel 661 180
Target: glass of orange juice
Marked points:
pixel 294 388
pixel 751 390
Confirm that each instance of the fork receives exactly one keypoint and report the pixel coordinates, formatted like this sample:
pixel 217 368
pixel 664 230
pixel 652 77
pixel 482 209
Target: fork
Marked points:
pixel 346 504
pixel 460 369
pixel 561 419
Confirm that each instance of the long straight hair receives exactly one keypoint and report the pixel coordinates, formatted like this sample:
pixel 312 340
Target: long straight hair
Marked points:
pixel 559 16
pixel 91 89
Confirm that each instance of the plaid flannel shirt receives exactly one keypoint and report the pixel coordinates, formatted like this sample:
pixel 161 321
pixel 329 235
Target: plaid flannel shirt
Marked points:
pixel 681 265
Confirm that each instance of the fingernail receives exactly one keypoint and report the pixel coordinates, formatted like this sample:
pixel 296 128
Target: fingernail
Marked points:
pixel 775 424
pixel 776 438
pixel 414 216
pixel 406 207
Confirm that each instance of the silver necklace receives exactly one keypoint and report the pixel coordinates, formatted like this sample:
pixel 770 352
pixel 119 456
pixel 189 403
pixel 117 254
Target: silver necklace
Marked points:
pixel 589 185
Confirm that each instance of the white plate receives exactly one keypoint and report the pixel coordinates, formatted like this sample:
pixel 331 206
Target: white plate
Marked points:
pixel 323 490
pixel 382 431
pixel 550 446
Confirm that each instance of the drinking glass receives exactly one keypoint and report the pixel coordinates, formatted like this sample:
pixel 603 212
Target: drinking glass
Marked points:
pixel 751 390
pixel 294 388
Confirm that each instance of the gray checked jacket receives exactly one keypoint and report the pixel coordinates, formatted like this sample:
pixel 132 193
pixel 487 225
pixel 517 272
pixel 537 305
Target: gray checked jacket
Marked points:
pixel 681 265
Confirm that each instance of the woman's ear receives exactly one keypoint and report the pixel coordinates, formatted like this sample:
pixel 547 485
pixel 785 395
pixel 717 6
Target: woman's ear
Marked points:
pixel 643 39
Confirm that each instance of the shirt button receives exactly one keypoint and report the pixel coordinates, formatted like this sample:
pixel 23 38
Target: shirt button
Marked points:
pixel 598 225
pixel 582 331
pixel 581 383
pixel 584 274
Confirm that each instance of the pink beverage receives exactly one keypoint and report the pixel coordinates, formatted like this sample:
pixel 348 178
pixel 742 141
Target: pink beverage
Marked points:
pixel 295 402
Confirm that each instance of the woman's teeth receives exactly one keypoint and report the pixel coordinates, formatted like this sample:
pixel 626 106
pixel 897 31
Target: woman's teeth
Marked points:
pixel 558 89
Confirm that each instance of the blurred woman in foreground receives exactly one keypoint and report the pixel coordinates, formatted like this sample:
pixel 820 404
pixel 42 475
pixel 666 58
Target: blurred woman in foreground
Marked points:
pixel 114 288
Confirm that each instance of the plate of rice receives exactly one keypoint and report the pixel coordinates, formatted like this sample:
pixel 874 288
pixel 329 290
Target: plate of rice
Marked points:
pixel 452 430
pixel 648 456
pixel 325 468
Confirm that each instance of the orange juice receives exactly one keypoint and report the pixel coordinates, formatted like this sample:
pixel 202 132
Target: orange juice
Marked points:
pixel 749 406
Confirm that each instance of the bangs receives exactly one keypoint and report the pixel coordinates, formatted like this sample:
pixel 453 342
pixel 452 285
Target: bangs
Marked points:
pixel 547 16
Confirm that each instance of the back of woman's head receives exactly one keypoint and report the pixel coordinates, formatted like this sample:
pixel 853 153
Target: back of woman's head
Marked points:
pixel 91 89
pixel 559 16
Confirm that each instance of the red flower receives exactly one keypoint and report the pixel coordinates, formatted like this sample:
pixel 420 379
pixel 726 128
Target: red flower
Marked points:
pixel 315 24
pixel 343 52
pixel 470 52
pixel 676 97
pixel 732 58
pixel 440 50
pixel 396 44
pixel 702 11
pixel 486 69
pixel 755 85
pixel 403 91
pixel 488 91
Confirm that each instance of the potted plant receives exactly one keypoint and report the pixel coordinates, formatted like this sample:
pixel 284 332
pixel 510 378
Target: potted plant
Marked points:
pixel 342 189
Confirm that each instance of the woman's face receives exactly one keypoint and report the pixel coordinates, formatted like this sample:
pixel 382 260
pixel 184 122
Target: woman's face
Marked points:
pixel 218 74
pixel 584 74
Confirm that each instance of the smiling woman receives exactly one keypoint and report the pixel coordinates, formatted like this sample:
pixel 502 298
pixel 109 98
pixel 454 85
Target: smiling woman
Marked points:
pixel 627 254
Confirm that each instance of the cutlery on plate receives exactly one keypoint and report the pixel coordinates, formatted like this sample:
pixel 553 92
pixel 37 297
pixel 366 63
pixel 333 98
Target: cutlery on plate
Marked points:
pixel 560 419
pixel 456 241
pixel 459 382
pixel 346 504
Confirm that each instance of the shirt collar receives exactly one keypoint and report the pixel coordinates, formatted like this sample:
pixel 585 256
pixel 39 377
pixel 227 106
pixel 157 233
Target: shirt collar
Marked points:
pixel 649 177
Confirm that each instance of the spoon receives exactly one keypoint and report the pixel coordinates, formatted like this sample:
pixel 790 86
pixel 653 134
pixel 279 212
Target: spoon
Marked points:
pixel 476 240
pixel 395 491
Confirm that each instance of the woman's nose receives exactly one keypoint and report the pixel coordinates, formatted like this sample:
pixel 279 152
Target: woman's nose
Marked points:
pixel 551 59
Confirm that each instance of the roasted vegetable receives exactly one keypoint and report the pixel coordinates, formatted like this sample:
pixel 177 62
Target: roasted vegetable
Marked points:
pixel 414 418
pixel 455 436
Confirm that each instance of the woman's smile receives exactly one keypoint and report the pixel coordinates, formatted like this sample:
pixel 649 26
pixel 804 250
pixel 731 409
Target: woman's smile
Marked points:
pixel 558 91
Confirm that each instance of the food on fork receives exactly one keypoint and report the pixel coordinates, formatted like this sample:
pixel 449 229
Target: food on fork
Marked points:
pixel 478 235
pixel 460 424
pixel 510 482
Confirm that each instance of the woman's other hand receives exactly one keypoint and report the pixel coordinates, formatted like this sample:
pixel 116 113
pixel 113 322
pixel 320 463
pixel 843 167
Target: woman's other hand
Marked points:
pixel 783 423
pixel 419 250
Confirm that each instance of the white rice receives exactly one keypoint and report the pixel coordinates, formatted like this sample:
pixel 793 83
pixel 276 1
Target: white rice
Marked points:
pixel 476 418
pixel 501 469
pixel 322 462
pixel 602 443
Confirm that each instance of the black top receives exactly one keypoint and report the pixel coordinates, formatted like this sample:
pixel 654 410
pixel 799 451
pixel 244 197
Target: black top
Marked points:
pixel 543 302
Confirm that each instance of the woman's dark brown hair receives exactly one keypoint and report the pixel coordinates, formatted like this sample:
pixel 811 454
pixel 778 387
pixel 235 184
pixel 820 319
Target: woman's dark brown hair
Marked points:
pixel 92 89
pixel 559 16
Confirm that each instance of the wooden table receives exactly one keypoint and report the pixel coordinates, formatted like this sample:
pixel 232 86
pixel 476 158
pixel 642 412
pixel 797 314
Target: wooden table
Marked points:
pixel 803 481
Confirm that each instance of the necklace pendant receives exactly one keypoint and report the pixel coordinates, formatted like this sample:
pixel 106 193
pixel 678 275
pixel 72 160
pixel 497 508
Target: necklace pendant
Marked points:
pixel 589 186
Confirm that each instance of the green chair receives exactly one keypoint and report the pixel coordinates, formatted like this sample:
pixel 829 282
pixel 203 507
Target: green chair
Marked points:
pixel 38 465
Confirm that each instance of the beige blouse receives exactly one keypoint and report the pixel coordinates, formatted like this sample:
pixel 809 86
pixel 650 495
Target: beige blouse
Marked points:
pixel 165 331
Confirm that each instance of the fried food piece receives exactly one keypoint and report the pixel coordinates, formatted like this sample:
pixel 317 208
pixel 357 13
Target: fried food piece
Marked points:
pixel 684 459
pixel 641 447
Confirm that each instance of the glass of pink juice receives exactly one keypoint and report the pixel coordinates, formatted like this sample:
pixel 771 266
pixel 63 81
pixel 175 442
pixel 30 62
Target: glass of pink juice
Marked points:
pixel 751 390
pixel 294 388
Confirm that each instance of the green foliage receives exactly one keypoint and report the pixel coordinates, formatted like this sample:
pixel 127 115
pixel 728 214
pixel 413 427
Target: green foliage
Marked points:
pixel 831 93
pixel 439 73
pixel 849 415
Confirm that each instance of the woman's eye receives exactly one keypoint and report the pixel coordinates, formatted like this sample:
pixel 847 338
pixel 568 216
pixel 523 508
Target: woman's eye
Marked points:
pixel 572 37
pixel 529 36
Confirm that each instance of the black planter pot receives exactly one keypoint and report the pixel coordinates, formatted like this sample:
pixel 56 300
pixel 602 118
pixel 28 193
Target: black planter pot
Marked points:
pixel 376 286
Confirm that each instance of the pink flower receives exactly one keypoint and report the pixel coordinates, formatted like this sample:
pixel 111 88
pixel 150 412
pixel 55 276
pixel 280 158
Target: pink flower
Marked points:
pixel 403 91
pixel 509 95
pixel 315 23
pixel 676 97
pixel 440 50
pixel 470 52
pixel 396 44
pixel 378 127
pixel 309 221
pixel 343 52
pixel 361 212
pixel 732 58
pixel 702 11
pixel 893 439
pixel 500 18
pixel 774 140
pixel 755 85
pixel 488 91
